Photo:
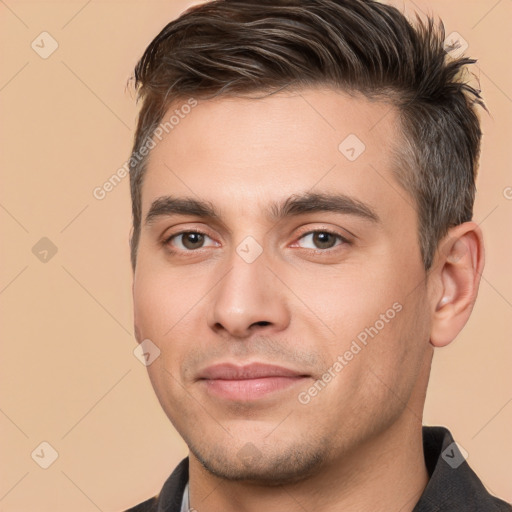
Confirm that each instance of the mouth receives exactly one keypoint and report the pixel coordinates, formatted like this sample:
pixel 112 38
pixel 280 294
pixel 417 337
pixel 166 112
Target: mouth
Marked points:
pixel 249 382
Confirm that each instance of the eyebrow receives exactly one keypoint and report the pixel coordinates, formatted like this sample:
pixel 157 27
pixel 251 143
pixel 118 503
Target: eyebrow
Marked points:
pixel 295 205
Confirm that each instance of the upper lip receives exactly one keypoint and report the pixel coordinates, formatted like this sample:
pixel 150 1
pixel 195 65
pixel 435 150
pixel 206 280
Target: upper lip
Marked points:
pixel 228 371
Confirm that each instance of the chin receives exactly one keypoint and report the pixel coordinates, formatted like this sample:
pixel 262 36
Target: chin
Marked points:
pixel 250 465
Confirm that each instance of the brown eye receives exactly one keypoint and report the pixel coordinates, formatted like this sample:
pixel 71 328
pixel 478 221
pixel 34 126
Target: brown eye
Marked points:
pixel 322 240
pixel 188 241
pixel 192 240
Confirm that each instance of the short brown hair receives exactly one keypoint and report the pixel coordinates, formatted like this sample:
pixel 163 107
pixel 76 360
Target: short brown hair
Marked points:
pixel 237 47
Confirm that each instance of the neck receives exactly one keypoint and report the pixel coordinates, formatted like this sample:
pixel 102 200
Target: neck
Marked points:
pixel 387 472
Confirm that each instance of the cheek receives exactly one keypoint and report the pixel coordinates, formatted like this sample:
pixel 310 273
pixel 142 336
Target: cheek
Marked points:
pixel 346 300
pixel 168 310
pixel 160 316
pixel 377 324
pixel 154 304
pixel 394 356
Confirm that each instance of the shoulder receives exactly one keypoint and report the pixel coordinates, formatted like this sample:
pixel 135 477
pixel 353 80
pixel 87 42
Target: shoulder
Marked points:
pixel 150 505
pixel 453 485
pixel 170 497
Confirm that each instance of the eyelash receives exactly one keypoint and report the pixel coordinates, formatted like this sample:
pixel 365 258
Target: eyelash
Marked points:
pixel 166 241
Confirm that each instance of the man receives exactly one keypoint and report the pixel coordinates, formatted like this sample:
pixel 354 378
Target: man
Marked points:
pixel 302 180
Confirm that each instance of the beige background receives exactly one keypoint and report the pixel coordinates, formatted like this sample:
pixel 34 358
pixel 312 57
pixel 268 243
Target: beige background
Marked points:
pixel 68 373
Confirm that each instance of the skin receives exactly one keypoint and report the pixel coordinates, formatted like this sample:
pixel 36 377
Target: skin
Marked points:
pixel 357 444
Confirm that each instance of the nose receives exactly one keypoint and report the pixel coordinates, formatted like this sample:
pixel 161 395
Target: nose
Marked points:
pixel 247 299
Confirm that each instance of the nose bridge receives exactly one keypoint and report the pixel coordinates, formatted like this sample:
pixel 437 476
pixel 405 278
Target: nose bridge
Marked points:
pixel 248 295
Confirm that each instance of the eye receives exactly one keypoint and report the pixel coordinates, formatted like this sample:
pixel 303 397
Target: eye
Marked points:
pixel 188 240
pixel 319 240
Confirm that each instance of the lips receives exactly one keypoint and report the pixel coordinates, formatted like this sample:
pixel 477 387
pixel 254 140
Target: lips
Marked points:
pixel 249 382
pixel 251 371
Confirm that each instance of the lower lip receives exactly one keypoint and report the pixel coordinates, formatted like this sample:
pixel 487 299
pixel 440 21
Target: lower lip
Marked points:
pixel 249 389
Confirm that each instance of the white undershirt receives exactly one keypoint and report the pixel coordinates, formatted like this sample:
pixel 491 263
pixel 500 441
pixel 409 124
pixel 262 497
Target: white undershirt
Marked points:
pixel 185 501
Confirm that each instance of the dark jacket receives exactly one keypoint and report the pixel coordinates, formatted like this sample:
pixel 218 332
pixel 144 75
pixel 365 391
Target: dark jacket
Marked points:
pixel 453 486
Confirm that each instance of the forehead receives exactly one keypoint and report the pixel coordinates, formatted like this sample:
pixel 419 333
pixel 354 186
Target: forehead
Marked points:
pixel 240 150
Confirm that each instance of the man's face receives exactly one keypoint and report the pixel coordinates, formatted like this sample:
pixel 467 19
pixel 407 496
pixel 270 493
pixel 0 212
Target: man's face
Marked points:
pixel 346 313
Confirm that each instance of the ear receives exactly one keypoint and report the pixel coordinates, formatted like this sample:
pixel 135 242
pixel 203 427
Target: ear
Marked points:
pixel 130 238
pixel 136 330
pixel 454 280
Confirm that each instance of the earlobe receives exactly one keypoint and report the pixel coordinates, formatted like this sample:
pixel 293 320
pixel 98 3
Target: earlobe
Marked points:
pixel 456 276
pixel 130 248
pixel 136 332
pixel 130 237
